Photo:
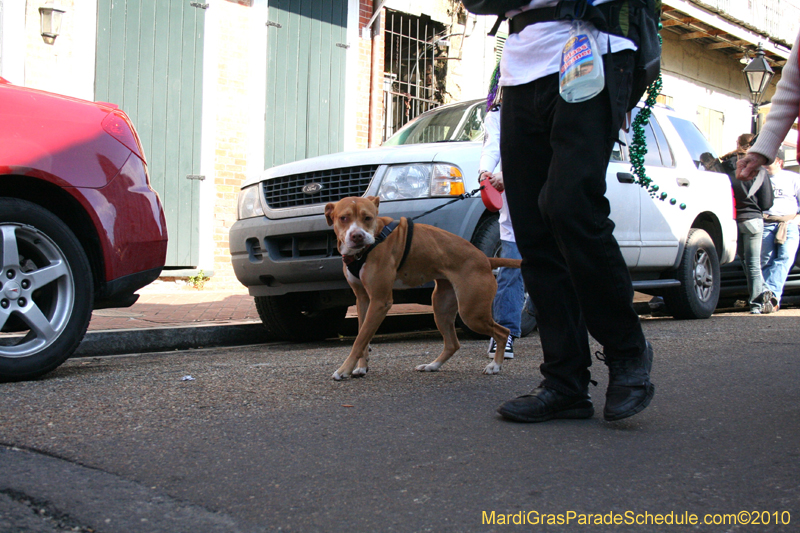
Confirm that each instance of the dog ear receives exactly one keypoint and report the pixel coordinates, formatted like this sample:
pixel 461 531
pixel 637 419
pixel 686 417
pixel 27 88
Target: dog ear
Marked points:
pixel 375 200
pixel 329 213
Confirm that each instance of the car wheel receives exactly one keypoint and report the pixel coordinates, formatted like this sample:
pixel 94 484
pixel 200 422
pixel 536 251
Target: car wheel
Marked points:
pixel 285 317
pixel 46 291
pixel 698 273
pixel 487 239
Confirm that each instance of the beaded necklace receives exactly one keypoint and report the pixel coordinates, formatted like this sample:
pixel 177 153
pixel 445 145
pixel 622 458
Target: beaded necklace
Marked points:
pixel 639 144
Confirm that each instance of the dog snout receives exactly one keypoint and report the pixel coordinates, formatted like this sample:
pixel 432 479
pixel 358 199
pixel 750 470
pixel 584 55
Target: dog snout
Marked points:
pixel 357 237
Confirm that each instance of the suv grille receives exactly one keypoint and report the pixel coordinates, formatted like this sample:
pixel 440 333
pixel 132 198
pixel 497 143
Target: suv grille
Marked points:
pixel 333 185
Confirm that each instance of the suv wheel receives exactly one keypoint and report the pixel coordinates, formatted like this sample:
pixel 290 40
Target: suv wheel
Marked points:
pixel 698 273
pixel 285 317
pixel 46 291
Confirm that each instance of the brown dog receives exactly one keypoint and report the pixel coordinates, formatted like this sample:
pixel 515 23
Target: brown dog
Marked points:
pixel 463 275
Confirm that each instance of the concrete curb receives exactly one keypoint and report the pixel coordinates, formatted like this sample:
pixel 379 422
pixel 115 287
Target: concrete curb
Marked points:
pixel 126 341
pixel 166 339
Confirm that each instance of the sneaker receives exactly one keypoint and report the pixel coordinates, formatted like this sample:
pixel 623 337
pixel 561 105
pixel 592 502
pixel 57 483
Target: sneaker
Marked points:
pixel 543 404
pixel 629 387
pixel 766 298
pixel 509 352
pixel 755 311
pixel 774 303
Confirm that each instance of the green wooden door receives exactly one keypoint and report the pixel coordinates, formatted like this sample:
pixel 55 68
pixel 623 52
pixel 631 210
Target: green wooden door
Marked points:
pixel 150 63
pixel 306 47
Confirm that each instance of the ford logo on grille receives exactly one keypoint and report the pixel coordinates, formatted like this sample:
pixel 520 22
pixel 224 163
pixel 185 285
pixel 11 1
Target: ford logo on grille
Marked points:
pixel 312 188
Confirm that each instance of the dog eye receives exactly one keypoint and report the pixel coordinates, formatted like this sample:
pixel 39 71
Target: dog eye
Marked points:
pixel 343 219
pixel 367 219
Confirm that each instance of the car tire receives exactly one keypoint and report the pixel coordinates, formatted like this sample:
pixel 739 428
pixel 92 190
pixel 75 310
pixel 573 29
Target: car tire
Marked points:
pixel 487 239
pixel 698 272
pixel 285 317
pixel 47 293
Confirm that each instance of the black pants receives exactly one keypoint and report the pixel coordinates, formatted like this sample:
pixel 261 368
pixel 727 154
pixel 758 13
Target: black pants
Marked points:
pixel 555 157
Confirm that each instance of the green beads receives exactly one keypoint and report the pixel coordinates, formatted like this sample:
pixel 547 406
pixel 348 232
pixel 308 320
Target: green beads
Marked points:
pixel 638 148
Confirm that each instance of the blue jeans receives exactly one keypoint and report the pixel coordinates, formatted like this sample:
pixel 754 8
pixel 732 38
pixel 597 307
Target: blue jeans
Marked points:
pixel 510 297
pixel 750 232
pixel 777 259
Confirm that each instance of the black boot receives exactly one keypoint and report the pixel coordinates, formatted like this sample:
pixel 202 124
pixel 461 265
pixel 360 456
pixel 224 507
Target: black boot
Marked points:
pixel 546 404
pixel 629 388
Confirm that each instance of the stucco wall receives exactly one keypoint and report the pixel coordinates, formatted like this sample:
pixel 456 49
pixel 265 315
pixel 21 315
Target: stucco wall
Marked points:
pixel 67 65
pixel 695 76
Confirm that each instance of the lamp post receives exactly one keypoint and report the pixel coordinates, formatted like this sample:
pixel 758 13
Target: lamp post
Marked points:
pixel 757 74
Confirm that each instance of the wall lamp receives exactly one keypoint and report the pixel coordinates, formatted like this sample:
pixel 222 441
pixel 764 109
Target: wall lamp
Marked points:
pixel 50 20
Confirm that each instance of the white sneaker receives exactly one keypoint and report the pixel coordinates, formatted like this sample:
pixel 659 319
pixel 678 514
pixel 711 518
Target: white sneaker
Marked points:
pixel 508 354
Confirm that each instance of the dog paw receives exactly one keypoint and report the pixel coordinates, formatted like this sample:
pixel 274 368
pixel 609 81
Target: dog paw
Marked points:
pixel 339 376
pixel 430 367
pixel 492 368
pixel 360 372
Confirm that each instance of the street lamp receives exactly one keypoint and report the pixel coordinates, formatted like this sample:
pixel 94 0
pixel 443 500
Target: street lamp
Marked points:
pixel 757 74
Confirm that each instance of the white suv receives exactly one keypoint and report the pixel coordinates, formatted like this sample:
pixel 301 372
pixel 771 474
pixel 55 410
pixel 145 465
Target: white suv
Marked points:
pixel 284 252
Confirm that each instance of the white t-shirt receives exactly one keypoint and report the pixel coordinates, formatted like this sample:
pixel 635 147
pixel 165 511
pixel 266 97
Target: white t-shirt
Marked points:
pixel 785 192
pixel 535 52
pixel 490 161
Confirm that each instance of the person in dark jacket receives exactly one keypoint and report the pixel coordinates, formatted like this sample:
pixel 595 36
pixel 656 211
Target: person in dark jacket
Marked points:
pixel 752 198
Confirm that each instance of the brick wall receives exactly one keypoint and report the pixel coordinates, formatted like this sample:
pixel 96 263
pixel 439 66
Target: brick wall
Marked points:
pixel 364 69
pixel 232 121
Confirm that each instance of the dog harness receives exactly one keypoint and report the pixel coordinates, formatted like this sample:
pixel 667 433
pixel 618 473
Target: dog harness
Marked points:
pixel 355 262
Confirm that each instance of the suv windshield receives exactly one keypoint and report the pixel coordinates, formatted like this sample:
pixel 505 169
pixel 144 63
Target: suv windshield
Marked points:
pixel 463 122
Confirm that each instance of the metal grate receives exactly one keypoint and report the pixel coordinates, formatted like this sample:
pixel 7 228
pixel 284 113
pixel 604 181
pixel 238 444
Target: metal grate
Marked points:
pixel 415 60
pixel 306 246
pixel 325 186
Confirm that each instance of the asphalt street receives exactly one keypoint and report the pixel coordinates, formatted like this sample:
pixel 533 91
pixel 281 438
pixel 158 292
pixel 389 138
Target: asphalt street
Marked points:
pixel 261 439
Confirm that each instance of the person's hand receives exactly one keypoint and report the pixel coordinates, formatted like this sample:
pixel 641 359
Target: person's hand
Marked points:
pixel 497 182
pixel 747 167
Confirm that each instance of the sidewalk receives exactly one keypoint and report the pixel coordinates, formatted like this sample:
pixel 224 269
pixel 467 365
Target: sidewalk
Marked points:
pixel 179 308
pixel 171 317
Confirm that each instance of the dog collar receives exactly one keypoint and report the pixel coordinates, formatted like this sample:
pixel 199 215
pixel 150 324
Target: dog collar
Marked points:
pixel 355 262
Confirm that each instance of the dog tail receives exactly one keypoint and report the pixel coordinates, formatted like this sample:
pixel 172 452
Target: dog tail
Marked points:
pixel 503 262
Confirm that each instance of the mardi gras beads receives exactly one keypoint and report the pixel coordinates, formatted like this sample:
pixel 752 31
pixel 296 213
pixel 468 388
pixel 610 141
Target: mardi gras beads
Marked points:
pixel 638 148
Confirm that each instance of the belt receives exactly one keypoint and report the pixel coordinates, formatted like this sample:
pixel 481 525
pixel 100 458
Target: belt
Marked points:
pixel 564 10
pixel 519 22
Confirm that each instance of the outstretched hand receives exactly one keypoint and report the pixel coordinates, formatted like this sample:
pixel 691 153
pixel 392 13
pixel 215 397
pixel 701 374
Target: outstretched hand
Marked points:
pixel 747 167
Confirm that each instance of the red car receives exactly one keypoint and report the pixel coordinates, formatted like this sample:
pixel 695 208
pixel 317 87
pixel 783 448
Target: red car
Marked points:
pixel 80 226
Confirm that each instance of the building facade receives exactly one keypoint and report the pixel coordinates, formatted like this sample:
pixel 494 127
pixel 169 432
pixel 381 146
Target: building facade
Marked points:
pixel 221 89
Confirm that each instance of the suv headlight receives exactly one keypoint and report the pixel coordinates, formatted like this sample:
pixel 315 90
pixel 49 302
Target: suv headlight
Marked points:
pixel 421 180
pixel 250 202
